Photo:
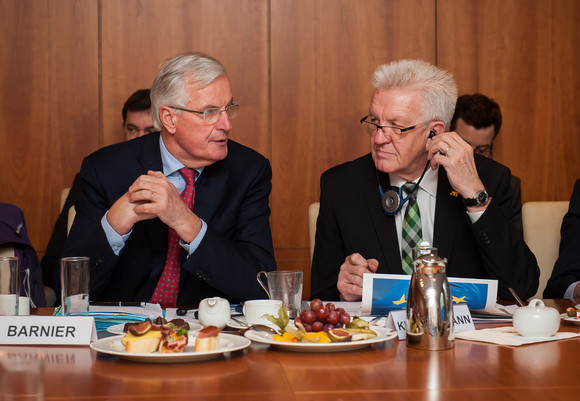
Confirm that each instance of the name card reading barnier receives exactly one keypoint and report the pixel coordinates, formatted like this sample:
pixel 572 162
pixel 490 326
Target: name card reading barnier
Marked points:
pixel 47 330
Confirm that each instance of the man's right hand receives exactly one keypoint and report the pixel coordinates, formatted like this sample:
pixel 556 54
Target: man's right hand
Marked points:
pixel 350 278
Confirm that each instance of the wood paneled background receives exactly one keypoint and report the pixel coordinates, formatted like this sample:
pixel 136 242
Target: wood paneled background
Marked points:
pixel 299 68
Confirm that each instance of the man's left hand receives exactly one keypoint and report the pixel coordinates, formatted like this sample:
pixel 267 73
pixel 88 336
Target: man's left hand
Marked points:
pixel 456 156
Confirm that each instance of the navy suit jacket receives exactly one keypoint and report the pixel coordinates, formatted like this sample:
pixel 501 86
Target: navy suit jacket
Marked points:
pixel 351 220
pixel 231 196
pixel 567 268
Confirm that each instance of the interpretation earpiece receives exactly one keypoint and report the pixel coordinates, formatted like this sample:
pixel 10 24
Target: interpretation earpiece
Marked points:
pixel 432 134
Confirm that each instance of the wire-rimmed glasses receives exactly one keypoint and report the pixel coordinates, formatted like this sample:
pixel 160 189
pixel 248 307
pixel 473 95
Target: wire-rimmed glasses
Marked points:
pixel 371 127
pixel 212 114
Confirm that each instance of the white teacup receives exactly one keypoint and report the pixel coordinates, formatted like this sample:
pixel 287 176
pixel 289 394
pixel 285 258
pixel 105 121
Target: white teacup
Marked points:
pixel 536 320
pixel 255 309
pixel 214 312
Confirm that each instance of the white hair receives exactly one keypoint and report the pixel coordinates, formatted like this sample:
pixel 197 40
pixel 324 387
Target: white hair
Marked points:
pixel 436 86
pixel 188 70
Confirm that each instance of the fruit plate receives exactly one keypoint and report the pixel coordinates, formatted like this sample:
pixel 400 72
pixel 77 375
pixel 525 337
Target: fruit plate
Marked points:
pixel 227 343
pixel 266 338
pixel 570 319
pixel 118 328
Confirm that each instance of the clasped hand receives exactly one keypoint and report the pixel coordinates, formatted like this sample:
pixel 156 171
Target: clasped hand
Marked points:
pixel 153 195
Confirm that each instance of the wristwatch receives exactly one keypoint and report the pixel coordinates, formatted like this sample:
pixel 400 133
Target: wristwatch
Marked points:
pixel 481 198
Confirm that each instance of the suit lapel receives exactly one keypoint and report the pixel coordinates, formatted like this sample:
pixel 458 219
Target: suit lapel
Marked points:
pixel 446 218
pixel 210 188
pixel 384 226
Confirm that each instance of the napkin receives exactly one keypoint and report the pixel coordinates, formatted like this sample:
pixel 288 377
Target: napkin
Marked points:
pixel 509 336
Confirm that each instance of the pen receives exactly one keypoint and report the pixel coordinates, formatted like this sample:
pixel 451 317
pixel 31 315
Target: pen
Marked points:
pixel 119 303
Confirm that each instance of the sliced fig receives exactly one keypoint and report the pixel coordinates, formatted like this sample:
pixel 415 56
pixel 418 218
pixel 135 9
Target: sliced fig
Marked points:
pixel 339 335
pixel 141 328
pixel 159 321
pixel 180 324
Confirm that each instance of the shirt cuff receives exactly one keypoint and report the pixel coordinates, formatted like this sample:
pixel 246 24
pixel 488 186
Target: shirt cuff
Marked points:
pixel 474 216
pixel 569 294
pixel 191 247
pixel 116 241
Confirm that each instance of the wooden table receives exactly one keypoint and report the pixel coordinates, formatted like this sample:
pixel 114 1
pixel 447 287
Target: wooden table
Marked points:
pixel 390 371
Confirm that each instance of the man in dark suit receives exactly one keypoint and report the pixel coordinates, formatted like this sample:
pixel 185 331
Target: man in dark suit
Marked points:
pixel 477 119
pixel 565 279
pixel 131 206
pixel 463 201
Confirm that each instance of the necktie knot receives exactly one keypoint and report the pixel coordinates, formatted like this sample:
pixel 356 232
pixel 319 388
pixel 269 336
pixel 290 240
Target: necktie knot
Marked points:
pixel 188 175
pixel 408 187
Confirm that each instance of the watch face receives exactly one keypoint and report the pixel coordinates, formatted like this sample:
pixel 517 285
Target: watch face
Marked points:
pixel 482 197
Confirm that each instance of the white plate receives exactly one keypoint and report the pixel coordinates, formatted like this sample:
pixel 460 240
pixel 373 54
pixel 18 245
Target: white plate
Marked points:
pixel 227 343
pixel 118 328
pixel 570 319
pixel 266 338
pixel 235 325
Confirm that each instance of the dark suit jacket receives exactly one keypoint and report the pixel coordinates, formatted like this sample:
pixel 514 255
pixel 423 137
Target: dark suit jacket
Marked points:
pixel 516 186
pixel 51 260
pixel 351 220
pixel 567 268
pixel 231 196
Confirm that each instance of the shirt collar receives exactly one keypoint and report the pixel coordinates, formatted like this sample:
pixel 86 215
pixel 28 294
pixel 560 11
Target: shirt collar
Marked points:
pixel 428 183
pixel 170 163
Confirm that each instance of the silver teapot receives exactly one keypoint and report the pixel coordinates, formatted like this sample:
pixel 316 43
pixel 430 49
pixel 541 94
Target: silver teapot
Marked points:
pixel 429 308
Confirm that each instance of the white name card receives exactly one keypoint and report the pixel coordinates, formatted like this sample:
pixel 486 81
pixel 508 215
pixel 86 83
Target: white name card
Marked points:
pixel 462 320
pixel 47 330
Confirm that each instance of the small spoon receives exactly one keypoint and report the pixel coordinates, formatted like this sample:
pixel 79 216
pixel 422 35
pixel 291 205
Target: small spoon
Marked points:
pixel 516 296
pixel 256 327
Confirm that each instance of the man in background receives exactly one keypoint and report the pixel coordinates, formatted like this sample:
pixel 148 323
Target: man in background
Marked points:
pixel 477 120
pixel 137 122
pixel 181 215
pixel 136 113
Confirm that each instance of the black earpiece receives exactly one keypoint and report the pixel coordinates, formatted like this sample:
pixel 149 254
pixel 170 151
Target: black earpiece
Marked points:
pixel 432 134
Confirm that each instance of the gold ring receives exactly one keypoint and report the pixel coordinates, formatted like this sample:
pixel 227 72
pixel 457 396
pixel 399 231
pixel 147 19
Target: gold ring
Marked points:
pixel 447 150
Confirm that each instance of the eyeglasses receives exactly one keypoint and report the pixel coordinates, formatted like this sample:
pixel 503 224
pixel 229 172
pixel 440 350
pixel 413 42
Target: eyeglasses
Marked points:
pixel 484 150
pixel 371 127
pixel 212 115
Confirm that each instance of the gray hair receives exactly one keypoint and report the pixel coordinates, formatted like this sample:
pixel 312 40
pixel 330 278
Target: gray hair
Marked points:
pixel 436 86
pixel 184 71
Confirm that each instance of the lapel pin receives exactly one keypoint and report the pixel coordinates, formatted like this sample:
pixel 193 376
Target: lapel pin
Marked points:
pixel 454 193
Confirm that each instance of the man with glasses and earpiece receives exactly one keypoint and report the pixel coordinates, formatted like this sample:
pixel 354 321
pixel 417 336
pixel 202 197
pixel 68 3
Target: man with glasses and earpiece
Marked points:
pixel 477 119
pixel 183 214
pixel 418 183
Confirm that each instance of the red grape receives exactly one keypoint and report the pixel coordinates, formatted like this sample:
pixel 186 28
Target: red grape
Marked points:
pixel 344 318
pixel 330 306
pixel 321 314
pixel 332 317
pixel 298 320
pixel 316 304
pixel 317 326
pixel 307 326
pixel 328 327
pixel 308 316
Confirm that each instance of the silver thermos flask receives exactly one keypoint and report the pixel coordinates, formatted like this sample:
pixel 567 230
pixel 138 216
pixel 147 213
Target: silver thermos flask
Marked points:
pixel 429 308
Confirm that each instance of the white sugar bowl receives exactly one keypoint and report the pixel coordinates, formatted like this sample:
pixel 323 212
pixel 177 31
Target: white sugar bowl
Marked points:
pixel 214 312
pixel 536 320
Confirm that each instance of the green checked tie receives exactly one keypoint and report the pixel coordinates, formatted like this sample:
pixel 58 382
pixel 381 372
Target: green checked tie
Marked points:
pixel 411 229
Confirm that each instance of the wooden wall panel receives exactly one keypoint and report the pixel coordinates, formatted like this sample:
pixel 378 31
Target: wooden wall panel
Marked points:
pixel 138 36
pixel 323 53
pixel 524 54
pixel 48 104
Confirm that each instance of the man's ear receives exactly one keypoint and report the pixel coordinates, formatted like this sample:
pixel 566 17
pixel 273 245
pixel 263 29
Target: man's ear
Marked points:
pixel 168 119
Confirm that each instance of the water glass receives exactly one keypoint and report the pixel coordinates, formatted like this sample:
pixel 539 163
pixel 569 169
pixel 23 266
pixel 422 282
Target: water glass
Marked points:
pixel 75 285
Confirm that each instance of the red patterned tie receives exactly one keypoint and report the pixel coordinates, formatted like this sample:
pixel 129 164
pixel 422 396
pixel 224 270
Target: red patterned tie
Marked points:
pixel 165 293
